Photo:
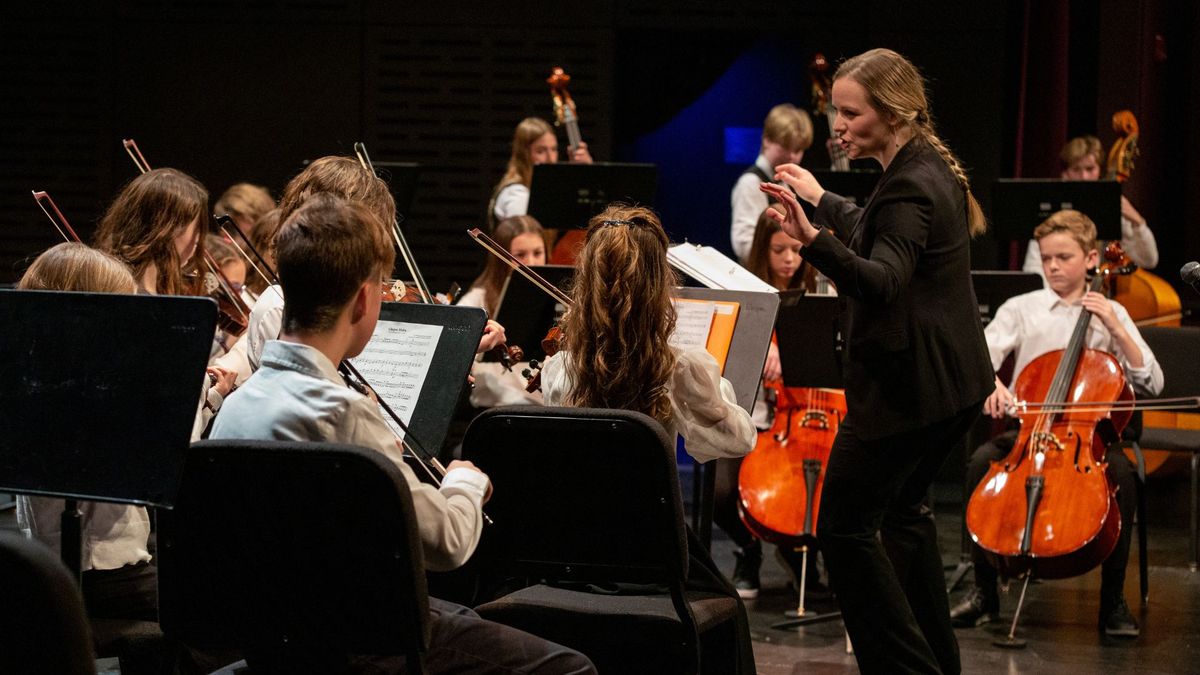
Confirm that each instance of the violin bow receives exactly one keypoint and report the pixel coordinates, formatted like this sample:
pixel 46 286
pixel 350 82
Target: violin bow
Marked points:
pixel 64 228
pixel 511 260
pixel 360 149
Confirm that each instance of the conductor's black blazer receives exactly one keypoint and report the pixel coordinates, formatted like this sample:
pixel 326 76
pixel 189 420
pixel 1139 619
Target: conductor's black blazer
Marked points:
pixel 915 351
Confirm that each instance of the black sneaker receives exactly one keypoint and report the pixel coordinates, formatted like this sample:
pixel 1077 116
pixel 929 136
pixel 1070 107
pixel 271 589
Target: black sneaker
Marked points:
pixel 745 570
pixel 977 608
pixel 1119 622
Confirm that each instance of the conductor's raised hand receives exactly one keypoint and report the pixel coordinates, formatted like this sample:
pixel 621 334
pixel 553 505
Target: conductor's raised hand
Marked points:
pixel 802 181
pixel 789 215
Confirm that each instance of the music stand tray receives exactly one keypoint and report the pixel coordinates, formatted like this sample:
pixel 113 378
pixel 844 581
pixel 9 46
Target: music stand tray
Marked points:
pixel 565 195
pixel 433 408
pixel 1019 205
pixel 527 312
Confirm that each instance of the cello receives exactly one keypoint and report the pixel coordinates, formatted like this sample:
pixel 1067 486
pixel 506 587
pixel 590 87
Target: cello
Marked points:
pixel 1048 508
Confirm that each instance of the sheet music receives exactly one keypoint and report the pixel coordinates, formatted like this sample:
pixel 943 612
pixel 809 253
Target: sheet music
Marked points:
pixel 711 268
pixel 396 362
pixel 693 321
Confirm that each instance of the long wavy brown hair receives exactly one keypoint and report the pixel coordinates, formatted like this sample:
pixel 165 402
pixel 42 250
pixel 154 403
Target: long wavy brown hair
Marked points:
pixel 622 317
pixel 140 226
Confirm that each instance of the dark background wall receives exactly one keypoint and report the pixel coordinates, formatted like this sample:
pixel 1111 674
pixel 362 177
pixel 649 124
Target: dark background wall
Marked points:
pixel 246 91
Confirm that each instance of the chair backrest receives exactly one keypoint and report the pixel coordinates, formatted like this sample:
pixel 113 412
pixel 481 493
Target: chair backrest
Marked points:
pixel 293 549
pixel 1178 352
pixel 43 628
pixel 581 494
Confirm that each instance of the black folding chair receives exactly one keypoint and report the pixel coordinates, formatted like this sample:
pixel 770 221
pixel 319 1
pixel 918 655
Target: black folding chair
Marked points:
pixel 300 555
pixel 591 497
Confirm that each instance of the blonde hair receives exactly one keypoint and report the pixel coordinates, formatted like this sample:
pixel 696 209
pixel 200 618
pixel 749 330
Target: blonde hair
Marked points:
pixel 759 260
pixel 622 317
pixel 140 226
pixel 1079 147
pixel 495 272
pixel 72 266
pixel 788 126
pixel 344 177
pixel 1070 222
pixel 895 86
pixel 244 202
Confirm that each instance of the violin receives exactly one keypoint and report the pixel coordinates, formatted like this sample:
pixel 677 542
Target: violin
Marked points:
pixel 1148 298
pixel 1048 508
pixel 553 340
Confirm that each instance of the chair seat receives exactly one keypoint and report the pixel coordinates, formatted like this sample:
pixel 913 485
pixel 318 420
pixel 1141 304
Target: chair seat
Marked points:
pixel 547 609
pixel 1175 440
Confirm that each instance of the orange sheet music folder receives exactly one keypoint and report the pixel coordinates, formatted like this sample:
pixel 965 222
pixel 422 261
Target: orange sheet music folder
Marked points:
pixel 707 323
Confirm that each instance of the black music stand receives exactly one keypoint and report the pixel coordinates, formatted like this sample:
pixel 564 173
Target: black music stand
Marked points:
pixel 810 353
pixel 993 288
pixel 100 397
pixel 402 179
pixel 433 407
pixel 743 369
pixel 527 312
pixel 1019 205
pixel 566 195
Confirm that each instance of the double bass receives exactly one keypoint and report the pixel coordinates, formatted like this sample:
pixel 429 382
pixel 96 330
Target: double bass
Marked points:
pixel 566 248
pixel 1148 298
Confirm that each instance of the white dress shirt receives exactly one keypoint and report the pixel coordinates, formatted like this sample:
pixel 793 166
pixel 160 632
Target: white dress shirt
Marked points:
pixel 114 535
pixel 298 395
pixel 747 203
pixel 704 409
pixel 1138 242
pixel 266 320
pixel 1038 322
pixel 512 200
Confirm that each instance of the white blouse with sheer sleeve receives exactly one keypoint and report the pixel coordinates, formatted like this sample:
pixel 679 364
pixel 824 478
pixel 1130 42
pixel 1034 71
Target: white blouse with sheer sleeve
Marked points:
pixel 704 409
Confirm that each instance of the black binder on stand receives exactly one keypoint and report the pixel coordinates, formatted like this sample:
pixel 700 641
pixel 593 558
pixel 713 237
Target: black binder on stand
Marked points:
pixel 100 397
pixel 527 312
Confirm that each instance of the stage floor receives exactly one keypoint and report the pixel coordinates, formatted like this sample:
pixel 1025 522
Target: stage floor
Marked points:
pixel 1059 621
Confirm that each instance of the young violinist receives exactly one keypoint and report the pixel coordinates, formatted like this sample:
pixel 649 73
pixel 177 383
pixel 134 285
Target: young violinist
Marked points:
pixel 155 226
pixel 916 367
pixel 615 354
pixel 346 178
pixel 333 255
pixel 119 580
pixel 245 203
pixel 523 237
pixel 1083 159
pixel 787 133
pixel 1028 326
pixel 774 258
pixel 534 142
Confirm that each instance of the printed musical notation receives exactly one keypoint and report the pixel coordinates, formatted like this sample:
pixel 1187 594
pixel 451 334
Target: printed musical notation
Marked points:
pixel 396 362
pixel 693 321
